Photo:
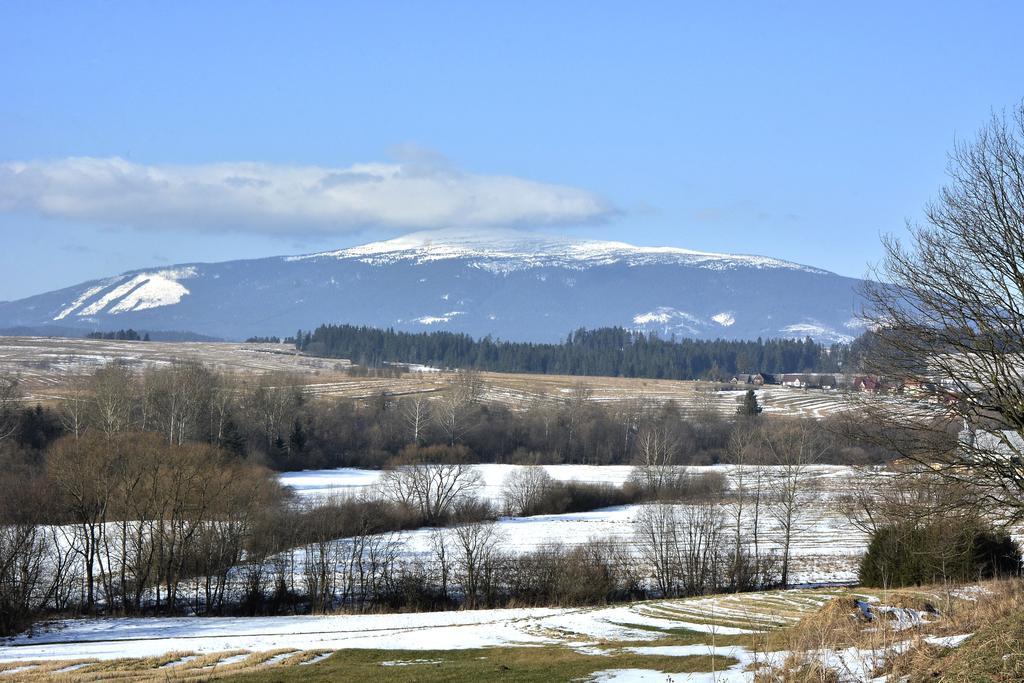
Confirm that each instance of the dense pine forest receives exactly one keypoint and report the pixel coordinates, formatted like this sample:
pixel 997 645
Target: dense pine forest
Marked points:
pixel 614 352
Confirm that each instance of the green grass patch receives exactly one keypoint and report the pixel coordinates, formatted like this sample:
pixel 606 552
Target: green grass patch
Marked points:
pixel 518 664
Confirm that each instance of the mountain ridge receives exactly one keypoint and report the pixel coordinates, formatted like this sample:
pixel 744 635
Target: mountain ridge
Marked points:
pixel 511 284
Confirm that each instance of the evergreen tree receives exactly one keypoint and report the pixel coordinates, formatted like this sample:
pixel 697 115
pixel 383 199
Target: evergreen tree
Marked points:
pixel 750 408
pixel 614 352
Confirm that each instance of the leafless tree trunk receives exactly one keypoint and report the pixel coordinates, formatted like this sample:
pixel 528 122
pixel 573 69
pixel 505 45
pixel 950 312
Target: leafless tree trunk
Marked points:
pixel 416 413
pixel 443 559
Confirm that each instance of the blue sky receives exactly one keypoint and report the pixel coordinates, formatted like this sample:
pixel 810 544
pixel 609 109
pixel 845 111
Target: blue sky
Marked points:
pixel 796 130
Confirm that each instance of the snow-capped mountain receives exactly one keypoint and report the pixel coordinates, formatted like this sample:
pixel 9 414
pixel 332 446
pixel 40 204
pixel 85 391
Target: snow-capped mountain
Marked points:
pixel 512 285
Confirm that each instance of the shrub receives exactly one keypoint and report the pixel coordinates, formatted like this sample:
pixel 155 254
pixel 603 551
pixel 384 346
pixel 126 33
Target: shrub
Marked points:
pixel 678 485
pixel 957 549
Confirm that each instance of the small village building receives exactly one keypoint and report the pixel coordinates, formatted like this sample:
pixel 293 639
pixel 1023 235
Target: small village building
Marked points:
pixel 866 384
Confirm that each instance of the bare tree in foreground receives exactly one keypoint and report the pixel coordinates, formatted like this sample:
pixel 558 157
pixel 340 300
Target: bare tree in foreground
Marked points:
pixel 948 309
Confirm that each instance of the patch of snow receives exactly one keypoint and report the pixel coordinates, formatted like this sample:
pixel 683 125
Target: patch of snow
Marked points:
pixel 179 662
pixel 233 659
pixel 138 292
pixel 77 303
pixel 17 670
pixel 816 330
pixel 670 319
pixel 316 660
pixel 411 662
pixel 970 592
pixel 947 641
pixel 725 319
pixel 435 319
pixel 857 323
pixel 629 676
pixel 156 636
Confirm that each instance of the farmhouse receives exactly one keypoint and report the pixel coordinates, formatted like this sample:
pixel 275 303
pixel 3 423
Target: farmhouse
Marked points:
pixel 867 384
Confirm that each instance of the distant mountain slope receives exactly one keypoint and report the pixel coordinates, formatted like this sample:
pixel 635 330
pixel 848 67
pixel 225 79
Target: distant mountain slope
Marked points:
pixel 513 285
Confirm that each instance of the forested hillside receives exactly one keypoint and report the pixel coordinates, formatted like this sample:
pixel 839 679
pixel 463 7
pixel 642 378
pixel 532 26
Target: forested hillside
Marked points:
pixel 613 351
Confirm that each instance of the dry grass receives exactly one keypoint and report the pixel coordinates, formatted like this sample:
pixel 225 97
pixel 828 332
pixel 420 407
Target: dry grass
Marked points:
pixel 174 666
pixel 886 645
pixel 805 635
pixel 45 365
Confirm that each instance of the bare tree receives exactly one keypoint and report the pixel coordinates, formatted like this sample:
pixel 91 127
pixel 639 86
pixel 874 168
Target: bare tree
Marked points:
pixel 656 534
pixel 682 546
pixel 795 447
pixel 657 454
pixel 900 495
pixel 746 507
pixel 74 406
pixel 25 574
pixel 415 412
pixel 271 404
pixel 574 407
pixel 112 391
pixel 948 314
pixel 10 398
pixel 455 408
pixel 525 489
pixel 442 558
pixel 476 552
pixel 701 527
pixel 628 414
pixel 83 472
pixel 659 446
pixel 432 481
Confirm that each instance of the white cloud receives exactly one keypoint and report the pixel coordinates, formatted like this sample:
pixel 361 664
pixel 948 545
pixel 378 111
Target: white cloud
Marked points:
pixel 276 199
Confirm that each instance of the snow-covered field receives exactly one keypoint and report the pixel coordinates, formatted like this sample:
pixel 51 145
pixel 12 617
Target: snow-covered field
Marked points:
pixel 349 480
pixel 152 637
pixel 826 548
pixel 203 648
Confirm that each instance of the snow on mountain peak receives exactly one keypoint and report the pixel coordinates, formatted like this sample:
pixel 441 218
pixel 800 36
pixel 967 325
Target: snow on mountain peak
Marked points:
pixel 515 250
pixel 130 292
pixel 725 318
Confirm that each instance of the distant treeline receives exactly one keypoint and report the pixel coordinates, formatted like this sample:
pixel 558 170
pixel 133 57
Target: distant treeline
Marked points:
pixel 614 351
pixel 119 335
